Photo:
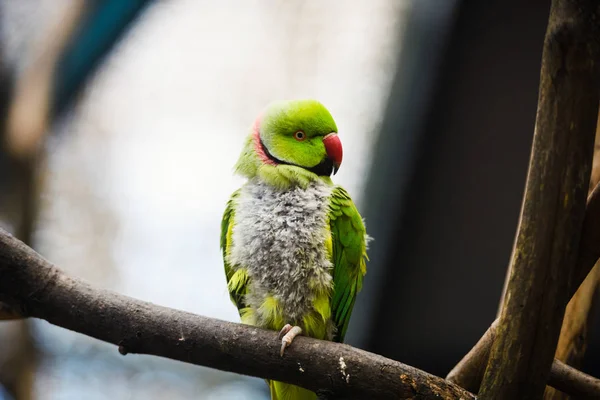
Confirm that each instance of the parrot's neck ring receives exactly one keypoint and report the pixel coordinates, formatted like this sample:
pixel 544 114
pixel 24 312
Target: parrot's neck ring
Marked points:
pixel 324 168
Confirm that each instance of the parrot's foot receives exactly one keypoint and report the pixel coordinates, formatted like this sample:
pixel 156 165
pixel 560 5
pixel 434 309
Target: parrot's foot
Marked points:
pixel 287 335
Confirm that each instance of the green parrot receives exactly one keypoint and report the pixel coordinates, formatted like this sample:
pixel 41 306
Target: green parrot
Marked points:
pixel 293 243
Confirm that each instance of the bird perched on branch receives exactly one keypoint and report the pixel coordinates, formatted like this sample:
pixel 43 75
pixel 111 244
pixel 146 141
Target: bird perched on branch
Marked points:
pixel 294 245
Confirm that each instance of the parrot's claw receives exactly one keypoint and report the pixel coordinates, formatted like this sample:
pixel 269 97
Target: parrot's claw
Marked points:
pixel 283 331
pixel 287 335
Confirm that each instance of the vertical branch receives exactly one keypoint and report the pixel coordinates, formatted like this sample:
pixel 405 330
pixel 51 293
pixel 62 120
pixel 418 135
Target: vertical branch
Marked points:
pixel 29 113
pixel 468 373
pixel 554 205
pixel 572 343
pixel 26 121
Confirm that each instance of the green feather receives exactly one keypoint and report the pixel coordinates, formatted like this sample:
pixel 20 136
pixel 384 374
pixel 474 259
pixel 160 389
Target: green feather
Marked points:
pixel 285 391
pixel 237 280
pixel 346 246
pixel 349 258
pixel 277 126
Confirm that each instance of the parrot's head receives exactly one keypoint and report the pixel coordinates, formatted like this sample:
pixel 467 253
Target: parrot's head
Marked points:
pixel 292 142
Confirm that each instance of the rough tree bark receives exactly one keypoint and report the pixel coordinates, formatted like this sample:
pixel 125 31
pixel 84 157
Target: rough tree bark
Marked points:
pixel 572 342
pixel 545 251
pixel 38 289
pixel 468 373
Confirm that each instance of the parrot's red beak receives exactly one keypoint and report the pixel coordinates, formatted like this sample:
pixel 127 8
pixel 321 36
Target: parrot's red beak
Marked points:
pixel 333 146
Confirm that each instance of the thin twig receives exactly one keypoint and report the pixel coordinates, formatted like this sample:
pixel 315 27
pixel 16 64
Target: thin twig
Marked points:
pixel 574 382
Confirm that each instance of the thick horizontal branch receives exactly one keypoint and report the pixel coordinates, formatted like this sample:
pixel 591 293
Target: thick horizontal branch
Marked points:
pixel 38 289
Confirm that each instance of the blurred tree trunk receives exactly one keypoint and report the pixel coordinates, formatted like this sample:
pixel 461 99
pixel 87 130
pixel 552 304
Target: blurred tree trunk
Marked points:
pixel 17 359
pixel 18 209
pixel 18 354
pixel 17 349
pixel 574 332
pixel 27 108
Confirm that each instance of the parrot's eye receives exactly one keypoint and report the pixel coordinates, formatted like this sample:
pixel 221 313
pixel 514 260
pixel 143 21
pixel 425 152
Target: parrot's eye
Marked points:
pixel 300 136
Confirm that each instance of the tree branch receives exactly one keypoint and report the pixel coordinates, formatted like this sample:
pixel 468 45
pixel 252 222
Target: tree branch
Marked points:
pixel 563 144
pixel 38 289
pixel 572 343
pixel 468 373
pixel 574 382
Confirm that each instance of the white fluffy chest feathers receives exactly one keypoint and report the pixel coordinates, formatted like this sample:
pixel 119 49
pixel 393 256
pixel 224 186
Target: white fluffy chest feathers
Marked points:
pixel 279 237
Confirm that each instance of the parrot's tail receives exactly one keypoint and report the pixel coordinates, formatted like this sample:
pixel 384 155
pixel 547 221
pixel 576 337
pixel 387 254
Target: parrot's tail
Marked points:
pixel 285 391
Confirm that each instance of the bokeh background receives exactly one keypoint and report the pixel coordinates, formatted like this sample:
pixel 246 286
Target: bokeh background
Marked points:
pixel 123 120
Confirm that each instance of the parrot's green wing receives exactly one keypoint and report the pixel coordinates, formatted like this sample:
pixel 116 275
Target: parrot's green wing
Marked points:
pixel 348 256
pixel 237 279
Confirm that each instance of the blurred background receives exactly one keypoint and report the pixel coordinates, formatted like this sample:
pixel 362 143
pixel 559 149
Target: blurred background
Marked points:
pixel 123 119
